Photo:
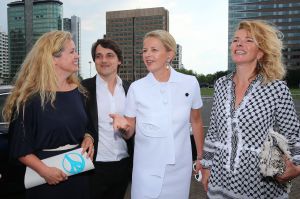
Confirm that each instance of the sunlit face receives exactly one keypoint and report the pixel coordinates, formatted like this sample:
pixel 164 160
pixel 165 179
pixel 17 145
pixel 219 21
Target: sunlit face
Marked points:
pixel 67 63
pixel 155 55
pixel 106 61
pixel 244 49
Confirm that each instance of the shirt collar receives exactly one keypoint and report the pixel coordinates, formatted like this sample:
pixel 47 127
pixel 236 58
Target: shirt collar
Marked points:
pixel 174 77
pixel 229 77
pixel 258 77
pixel 100 80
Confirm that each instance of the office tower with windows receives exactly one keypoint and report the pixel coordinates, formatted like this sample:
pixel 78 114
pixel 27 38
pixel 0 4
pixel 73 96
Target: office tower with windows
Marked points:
pixel 67 24
pixel 4 70
pixel 27 21
pixel 285 14
pixel 127 28
pixel 73 25
pixel 177 61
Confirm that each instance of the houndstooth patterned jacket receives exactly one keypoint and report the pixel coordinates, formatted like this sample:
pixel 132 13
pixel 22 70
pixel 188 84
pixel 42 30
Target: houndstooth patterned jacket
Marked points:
pixel 235 137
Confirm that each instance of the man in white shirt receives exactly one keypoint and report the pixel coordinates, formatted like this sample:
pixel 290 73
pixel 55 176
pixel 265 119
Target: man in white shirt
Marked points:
pixel 106 95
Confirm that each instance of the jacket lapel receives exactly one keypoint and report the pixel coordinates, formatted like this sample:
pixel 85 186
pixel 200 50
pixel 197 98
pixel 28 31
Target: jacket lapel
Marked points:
pixel 92 101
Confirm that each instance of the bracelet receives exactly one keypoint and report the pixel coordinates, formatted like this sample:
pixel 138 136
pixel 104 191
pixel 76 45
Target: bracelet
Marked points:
pixel 199 157
pixel 88 135
pixel 200 161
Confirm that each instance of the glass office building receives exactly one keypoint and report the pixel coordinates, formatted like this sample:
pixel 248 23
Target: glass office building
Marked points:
pixel 127 28
pixel 27 21
pixel 177 61
pixel 73 25
pixel 284 13
pixel 4 70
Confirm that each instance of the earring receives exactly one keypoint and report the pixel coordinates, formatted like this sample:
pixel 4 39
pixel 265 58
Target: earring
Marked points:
pixel 168 65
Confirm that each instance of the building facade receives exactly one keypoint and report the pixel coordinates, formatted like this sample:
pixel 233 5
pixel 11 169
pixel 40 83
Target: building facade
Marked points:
pixel 67 24
pixel 127 28
pixel 27 21
pixel 73 25
pixel 4 70
pixel 285 14
pixel 177 61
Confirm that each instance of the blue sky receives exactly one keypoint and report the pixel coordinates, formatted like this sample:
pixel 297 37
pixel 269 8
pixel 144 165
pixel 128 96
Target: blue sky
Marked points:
pixel 199 26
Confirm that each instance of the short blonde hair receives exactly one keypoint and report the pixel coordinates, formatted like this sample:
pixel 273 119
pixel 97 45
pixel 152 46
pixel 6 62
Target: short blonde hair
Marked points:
pixel 37 74
pixel 165 37
pixel 269 40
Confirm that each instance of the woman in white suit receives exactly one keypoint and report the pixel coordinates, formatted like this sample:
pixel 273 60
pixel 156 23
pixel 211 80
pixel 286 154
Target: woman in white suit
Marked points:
pixel 160 108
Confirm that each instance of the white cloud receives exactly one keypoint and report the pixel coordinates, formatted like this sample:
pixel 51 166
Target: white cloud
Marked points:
pixel 92 23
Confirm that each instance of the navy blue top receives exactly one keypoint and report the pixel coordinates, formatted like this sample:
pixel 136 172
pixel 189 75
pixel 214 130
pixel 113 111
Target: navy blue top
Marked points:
pixel 51 127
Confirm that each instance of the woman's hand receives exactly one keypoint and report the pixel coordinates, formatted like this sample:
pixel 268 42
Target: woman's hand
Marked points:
pixel 291 172
pixel 88 145
pixel 205 178
pixel 120 124
pixel 53 175
pixel 198 167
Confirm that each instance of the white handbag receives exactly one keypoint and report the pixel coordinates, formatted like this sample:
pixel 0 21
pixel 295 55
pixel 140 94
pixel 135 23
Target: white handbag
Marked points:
pixel 272 157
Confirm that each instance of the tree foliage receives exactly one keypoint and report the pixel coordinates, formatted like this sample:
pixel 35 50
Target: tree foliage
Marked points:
pixel 292 78
pixel 204 80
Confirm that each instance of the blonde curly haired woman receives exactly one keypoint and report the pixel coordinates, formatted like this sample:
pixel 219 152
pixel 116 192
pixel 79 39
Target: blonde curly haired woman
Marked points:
pixel 247 104
pixel 47 116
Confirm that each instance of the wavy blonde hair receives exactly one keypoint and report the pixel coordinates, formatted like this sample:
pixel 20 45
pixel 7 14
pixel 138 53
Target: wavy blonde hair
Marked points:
pixel 37 74
pixel 269 40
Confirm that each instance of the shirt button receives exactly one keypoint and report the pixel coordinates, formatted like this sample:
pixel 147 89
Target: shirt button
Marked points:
pixel 233 124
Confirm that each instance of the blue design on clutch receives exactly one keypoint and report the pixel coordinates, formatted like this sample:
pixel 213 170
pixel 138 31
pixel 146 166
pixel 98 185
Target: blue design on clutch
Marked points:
pixel 73 163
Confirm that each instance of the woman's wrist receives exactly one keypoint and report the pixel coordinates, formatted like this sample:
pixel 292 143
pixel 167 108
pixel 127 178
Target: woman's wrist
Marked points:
pixel 199 157
pixel 87 135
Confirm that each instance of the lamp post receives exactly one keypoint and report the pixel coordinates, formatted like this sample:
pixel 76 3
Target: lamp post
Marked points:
pixel 133 49
pixel 90 68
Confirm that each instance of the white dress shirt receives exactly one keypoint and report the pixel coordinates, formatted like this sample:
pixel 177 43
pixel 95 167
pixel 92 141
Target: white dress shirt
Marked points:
pixel 111 145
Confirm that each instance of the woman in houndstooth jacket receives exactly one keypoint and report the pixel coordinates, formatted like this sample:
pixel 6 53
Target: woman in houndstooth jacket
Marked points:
pixel 247 103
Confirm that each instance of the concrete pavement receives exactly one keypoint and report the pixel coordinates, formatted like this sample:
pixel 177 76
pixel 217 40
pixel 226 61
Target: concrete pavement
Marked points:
pixel 197 191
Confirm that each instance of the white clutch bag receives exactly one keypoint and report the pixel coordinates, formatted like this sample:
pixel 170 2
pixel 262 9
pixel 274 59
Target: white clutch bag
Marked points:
pixel 71 163
pixel 273 153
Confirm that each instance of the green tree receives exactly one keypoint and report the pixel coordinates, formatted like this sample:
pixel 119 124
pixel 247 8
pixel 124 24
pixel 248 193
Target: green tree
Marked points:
pixel 208 79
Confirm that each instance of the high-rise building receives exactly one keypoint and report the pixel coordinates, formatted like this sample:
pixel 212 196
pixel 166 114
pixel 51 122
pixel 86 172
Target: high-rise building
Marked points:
pixel 27 21
pixel 67 24
pixel 127 28
pixel 4 70
pixel 177 62
pixel 285 14
pixel 73 25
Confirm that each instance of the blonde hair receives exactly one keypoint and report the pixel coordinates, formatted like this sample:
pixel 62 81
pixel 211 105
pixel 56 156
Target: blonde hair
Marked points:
pixel 165 37
pixel 37 74
pixel 269 40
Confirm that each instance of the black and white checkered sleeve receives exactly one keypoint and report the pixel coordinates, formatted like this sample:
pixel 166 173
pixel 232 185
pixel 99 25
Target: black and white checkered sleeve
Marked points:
pixel 288 122
pixel 211 138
